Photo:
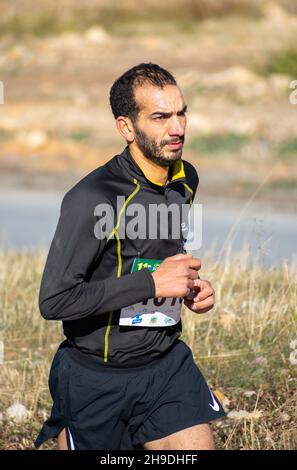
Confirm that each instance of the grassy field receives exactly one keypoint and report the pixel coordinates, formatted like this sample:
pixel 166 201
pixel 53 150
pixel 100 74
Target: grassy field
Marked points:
pixel 242 347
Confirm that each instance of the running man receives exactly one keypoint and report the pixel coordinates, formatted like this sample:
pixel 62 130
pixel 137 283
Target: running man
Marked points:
pixel 123 379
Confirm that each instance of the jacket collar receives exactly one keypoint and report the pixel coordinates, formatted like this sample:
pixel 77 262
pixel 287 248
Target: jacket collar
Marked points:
pixel 178 171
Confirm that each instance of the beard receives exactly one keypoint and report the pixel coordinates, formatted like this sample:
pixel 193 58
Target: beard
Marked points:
pixel 154 151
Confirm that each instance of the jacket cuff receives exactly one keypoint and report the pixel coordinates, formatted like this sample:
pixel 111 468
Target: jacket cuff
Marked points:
pixel 151 282
pixel 141 285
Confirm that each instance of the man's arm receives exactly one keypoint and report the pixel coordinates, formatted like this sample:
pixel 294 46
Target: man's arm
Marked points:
pixel 65 293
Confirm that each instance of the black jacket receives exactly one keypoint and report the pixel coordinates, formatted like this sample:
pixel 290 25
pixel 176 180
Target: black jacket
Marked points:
pixel 86 281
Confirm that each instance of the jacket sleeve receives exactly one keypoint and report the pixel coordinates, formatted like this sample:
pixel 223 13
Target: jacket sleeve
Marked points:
pixel 65 292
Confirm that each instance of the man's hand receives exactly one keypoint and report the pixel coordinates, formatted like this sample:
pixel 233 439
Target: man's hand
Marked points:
pixel 204 297
pixel 176 276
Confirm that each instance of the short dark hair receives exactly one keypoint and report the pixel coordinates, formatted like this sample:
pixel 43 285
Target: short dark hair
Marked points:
pixel 121 98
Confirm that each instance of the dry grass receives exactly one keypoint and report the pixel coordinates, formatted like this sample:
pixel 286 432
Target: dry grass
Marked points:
pixel 241 346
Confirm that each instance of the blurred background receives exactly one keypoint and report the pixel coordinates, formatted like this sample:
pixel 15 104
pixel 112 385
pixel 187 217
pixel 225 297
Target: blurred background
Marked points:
pixel 235 61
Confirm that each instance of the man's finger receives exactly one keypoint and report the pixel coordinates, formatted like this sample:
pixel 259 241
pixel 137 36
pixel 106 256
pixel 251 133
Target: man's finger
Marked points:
pixel 190 284
pixel 204 310
pixel 207 303
pixel 202 284
pixel 181 256
pixel 203 294
pixel 193 273
pixel 195 263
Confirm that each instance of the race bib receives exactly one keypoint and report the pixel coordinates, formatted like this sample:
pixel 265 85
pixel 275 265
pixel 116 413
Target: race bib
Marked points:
pixel 151 312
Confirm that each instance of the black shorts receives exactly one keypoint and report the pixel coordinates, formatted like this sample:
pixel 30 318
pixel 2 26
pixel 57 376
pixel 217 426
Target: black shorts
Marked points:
pixel 115 408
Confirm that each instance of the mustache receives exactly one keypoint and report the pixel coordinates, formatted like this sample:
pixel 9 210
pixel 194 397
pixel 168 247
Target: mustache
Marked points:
pixel 173 141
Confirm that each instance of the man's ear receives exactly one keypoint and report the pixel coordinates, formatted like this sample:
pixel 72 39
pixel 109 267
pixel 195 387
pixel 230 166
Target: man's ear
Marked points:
pixel 125 128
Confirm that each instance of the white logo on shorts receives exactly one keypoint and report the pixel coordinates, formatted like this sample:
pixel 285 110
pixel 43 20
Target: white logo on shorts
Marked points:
pixel 215 405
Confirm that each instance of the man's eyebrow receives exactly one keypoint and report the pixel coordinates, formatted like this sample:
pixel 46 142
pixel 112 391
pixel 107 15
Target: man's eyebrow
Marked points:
pixel 184 110
pixel 161 113
pixel 164 114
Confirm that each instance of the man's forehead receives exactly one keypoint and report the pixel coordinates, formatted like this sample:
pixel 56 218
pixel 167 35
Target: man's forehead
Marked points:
pixel 150 97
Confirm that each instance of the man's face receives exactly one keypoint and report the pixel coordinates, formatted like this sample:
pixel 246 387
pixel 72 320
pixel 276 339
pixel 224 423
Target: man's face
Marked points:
pixel 160 125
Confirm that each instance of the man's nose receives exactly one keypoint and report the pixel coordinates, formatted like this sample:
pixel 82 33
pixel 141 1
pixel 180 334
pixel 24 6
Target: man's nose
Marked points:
pixel 176 127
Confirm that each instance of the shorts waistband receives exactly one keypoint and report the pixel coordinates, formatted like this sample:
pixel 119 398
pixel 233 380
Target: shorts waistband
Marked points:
pixel 91 362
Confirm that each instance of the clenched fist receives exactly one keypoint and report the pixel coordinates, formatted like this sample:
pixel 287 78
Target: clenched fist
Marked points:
pixel 203 298
pixel 176 275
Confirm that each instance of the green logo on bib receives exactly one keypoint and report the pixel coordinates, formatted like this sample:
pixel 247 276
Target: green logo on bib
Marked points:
pixel 150 264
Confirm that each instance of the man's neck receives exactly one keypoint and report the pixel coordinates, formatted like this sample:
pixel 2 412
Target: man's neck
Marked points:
pixel 152 171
